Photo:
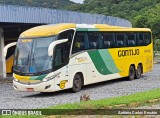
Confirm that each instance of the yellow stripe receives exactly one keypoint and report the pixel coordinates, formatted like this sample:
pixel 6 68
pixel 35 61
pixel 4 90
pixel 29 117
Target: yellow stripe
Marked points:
pixel 47 30
pixel 21 78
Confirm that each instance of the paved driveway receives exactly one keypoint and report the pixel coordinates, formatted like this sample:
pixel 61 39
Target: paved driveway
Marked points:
pixel 24 100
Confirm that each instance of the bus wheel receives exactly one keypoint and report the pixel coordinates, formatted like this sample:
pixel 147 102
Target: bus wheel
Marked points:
pixel 77 83
pixel 138 71
pixel 131 73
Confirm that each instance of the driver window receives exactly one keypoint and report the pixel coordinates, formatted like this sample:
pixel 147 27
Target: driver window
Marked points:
pixel 67 35
pixel 61 52
pixel 59 56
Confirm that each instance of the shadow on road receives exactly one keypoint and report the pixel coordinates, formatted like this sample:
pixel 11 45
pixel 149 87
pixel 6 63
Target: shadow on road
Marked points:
pixel 69 91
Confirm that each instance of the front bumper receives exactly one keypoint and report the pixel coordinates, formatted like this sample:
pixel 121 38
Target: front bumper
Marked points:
pixel 47 86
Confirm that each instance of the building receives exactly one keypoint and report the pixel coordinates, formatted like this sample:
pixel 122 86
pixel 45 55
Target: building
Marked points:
pixel 16 19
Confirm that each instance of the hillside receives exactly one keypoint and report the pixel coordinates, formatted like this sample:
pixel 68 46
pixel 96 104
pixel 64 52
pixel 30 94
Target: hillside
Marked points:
pixel 121 8
pixel 149 18
pixel 142 13
pixel 56 4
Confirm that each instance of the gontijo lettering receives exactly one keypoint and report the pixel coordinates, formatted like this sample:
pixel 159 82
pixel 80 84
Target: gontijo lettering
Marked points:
pixel 130 52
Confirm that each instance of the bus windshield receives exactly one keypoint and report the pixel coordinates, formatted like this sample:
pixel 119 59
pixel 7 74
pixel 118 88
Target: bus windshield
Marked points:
pixel 31 55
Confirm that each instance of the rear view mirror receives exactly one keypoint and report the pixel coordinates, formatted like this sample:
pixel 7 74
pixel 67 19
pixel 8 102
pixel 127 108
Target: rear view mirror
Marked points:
pixel 8 46
pixel 53 44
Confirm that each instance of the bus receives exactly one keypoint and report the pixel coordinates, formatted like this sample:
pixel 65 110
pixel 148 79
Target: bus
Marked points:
pixel 55 57
pixel 9 64
pixel 10 56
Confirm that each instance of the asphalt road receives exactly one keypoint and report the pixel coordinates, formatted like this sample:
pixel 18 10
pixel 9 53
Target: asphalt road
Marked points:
pixel 10 99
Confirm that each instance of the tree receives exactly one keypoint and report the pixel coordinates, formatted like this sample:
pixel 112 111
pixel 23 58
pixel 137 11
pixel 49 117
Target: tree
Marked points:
pixel 29 1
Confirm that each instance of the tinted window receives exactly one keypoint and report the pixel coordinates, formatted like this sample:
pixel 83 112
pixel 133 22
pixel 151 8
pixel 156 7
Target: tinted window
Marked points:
pixel 147 38
pixel 80 42
pixel 93 38
pixel 108 40
pixel 120 39
pixel 59 56
pixel 67 35
pixel 143 38
pixel 140 41
pixel 65 47
pixel 131 39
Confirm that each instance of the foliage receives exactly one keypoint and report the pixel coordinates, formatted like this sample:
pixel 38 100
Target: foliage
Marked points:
pixel 56 4
pixel 151 19
pixel 142 13
pixel 157 44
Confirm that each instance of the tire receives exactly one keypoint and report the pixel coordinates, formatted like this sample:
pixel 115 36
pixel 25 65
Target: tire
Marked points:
pixel 132 73
pixel 77 83
pixel 138 72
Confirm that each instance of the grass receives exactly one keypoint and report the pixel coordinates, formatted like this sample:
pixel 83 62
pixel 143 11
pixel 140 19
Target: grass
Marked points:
pixel 141 97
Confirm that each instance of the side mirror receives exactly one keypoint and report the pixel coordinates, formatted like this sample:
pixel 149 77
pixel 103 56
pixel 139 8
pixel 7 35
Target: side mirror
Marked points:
pixel 53 44
pixel 8 46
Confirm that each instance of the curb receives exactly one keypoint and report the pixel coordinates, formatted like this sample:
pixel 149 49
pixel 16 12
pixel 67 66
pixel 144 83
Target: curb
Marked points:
pixel 6 80
pixel 133 104
pixel 153 101
pixel 156 62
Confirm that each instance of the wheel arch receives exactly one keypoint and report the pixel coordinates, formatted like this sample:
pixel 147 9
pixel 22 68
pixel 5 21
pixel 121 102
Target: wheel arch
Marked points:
pixel 133 66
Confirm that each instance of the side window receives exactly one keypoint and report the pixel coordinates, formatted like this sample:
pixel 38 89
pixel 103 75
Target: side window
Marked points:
pixel 140 40
pixel 120 39
pixel 67 45
pixel 67 35
pixel 93 38
pixel 80 42
pixel 59 57
pixel 131 39
pixel 147 38
pixel 108 40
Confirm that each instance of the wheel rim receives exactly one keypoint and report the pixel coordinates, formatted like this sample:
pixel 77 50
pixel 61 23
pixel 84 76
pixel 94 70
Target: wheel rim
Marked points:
pixel 77 83
pixel 139 71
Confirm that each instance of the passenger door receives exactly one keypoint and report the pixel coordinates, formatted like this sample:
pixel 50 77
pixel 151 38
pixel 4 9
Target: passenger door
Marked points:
pixel 61 60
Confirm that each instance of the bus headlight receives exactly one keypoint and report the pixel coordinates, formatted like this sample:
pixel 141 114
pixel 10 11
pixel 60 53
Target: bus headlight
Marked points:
pixel 51 77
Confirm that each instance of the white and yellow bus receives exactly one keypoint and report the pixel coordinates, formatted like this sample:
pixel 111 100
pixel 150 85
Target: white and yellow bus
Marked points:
pixel 55 57
pixel 10 56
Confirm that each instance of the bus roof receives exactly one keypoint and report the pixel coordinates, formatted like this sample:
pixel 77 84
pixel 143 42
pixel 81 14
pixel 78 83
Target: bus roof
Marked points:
pixel 48 30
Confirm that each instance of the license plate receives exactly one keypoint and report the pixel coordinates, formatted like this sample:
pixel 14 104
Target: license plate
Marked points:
pixel 30 89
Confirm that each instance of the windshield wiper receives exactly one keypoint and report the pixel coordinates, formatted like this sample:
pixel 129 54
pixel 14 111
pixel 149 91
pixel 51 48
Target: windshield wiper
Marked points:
pixel 33 60
pixel 28 59
pixel 26 62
